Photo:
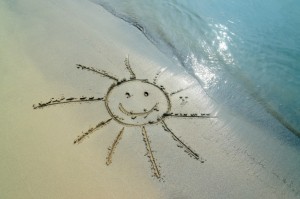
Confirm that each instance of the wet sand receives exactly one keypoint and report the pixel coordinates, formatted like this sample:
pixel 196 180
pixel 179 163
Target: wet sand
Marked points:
pixel 41 43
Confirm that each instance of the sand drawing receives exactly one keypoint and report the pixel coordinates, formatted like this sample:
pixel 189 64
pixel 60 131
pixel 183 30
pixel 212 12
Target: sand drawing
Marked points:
pixel 135 103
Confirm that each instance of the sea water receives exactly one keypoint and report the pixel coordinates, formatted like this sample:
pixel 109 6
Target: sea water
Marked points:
pixel 245 54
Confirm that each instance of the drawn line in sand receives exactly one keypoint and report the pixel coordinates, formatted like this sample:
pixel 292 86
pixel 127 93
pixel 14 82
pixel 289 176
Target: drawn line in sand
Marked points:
pixel 149 153
pixel 64 100
pixel 113 147
pixel 90 131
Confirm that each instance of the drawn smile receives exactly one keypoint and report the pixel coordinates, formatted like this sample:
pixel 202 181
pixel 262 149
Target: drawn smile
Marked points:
pixel 130 113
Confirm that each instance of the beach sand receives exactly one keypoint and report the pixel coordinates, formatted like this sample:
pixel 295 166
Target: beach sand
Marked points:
pixel 41 43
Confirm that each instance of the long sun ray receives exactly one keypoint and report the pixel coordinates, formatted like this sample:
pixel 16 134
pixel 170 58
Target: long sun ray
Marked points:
pixel 128 67
pixel 111 150
pixel 64 100
pixel 180 90
pixel 101 72
pixel 188 149
pixel 193 115
pixel 150 153
pixel 90 131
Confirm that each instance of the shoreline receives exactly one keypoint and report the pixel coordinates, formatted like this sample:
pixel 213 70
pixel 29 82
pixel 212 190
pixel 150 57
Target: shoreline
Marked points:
pixel 257 100
pixel 52 37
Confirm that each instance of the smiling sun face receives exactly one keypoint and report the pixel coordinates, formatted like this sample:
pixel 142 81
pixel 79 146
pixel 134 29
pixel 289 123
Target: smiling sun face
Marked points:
pixel 137 103
pixel 133 103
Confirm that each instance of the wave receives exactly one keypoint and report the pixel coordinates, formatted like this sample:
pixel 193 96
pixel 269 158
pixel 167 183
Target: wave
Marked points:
pixel 204 48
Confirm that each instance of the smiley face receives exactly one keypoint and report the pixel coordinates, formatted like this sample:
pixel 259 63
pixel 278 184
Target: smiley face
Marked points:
pixel 137 103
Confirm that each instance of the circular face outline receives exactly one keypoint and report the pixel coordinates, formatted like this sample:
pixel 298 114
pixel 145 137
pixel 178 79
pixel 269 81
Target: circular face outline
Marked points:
pixel 125 111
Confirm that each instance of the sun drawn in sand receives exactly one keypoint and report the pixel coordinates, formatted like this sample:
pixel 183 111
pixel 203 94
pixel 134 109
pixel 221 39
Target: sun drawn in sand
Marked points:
pixel 133 103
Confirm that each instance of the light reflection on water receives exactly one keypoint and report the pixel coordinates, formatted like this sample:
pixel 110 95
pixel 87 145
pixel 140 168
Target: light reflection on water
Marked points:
pixel 207 76
pixel 242 43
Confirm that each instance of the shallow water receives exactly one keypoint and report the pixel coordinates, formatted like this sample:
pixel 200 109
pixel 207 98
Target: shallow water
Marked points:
pixel 244 53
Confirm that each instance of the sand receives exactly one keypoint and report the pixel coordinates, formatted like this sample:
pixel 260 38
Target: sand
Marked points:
pixel 41 43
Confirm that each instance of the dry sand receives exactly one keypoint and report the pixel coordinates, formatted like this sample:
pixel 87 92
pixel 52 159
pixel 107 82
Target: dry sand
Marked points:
pixel 41 41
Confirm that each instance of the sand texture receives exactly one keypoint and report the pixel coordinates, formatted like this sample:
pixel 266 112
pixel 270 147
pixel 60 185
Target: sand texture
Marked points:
pixel 91 109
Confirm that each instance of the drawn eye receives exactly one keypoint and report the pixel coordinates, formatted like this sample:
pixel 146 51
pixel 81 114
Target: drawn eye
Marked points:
pixel 146 94
pixel 127 95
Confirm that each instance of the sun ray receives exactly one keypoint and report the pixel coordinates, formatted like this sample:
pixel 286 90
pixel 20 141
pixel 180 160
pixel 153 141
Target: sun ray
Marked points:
pixel 128 67
pixel 180 90
pixel 101 72
pixel 188 149
pixel 150 153
pixel 113 147
pixel 193 115
pixel 90 131
pixel 157 76
pixel 64 100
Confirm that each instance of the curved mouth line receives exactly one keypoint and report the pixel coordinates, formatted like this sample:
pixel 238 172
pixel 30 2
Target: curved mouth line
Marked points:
pixel 130 113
